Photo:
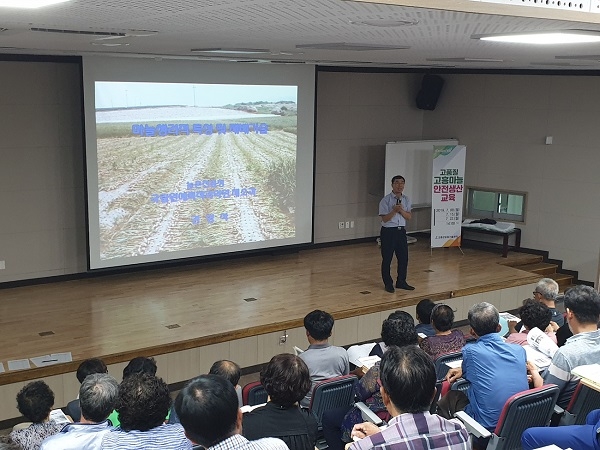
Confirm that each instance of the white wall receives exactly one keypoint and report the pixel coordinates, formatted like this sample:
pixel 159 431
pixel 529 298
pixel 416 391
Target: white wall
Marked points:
pixel 42 216
pixel 357 113
pixel 503 120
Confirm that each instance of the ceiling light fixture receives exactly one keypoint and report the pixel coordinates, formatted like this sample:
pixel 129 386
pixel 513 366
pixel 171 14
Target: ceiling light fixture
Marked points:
pixel 385 23
pixel 29 4
pixel 232 51
pixel 350 47
pixel 111 44
pixel 544 38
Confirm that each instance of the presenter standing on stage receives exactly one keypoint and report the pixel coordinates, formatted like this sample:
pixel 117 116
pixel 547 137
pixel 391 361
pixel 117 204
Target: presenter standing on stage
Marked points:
pixel 394 210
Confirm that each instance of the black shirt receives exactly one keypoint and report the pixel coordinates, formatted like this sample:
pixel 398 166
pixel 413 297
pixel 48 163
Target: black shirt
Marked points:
pixel 294 426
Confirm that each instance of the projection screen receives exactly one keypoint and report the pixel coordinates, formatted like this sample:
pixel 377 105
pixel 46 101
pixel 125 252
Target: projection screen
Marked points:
pixel 189 159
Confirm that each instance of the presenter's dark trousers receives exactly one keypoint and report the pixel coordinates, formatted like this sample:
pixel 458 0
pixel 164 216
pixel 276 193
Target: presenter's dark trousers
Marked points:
pixel 393 241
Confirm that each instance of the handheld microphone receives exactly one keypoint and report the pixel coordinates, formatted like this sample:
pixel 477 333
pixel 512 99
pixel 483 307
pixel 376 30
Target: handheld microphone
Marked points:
pixel 398 201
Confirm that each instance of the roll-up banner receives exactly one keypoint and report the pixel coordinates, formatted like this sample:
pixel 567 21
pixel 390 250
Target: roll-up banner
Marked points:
pixel 447 195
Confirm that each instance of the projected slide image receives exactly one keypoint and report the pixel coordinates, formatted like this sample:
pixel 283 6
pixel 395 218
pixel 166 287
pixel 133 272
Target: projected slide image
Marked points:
pixel 188 166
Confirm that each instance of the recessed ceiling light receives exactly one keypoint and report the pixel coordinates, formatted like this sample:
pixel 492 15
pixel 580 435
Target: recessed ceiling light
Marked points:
pixel 385 23
pixel 111 44
pixel 351 47
pixel 29 4
pixel 545 38
pixel 232 51
pixel 478 60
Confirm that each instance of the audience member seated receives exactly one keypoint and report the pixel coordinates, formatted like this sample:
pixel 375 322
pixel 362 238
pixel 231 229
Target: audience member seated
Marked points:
pixel 363 350
pixel 445 340
pixel 576 437
pixel 139 364
pixel 407 388
pixel 338 423
pixel 286 380
pixel 142 405
pixel 97 396
pixel 582 305
pixel 231 372
pixel 35 402
pixel 226 369
pixel 87 367
pixel 209 412
pixel 495 369
pixel 323 359
pixel 424 308
pixel 380 347
pixel 546 292
pixel 533 314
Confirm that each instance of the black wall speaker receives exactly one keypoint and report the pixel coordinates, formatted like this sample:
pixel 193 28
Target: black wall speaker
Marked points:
pixel 431 87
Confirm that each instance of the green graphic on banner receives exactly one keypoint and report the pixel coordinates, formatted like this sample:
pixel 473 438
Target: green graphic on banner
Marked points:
pixel 442 150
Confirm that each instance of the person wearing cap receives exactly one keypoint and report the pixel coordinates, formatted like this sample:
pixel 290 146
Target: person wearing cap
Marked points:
pixel 495 369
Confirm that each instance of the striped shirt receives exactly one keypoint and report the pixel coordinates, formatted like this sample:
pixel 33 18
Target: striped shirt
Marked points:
pixel 579 350
pixel 163 437
pixel 422 431
pixel 239 442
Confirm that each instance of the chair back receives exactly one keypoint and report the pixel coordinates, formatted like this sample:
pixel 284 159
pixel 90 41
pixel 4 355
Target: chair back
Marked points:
pixel 526 409
pixel 254 394
pixel 583 401
pixel 441 369
pixel 436 396
pixel 332 393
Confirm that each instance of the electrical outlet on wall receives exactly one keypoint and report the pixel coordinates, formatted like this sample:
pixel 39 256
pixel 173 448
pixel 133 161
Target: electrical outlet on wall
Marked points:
pixel 341 225
pixel 2 265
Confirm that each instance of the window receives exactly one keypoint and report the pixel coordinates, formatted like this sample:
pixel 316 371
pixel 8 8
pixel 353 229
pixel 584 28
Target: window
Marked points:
pixel 498 205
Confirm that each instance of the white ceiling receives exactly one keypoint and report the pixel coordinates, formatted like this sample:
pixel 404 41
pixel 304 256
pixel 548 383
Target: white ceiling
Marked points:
pixel 441 36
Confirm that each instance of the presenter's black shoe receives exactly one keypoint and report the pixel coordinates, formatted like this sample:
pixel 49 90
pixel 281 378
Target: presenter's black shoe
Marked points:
pixel 405 286
pixel 390 289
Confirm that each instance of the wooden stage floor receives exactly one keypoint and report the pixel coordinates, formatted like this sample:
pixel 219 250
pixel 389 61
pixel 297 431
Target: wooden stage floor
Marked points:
pixel 161 311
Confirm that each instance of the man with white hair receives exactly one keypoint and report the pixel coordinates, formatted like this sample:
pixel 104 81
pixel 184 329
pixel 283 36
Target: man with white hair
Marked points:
pixel 546 292
pixel 97 398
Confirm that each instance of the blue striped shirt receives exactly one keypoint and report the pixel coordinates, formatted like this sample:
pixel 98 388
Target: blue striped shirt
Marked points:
pixel 163 437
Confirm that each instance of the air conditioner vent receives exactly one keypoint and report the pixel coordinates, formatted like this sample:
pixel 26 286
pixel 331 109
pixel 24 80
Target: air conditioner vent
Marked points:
pixel 82 32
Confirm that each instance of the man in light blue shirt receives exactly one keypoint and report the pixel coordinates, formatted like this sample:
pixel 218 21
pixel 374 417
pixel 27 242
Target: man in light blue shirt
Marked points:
pixel 495 369
pixel 97 398
pixel 394 210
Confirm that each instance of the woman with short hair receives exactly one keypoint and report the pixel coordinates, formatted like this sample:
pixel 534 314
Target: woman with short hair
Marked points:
pixel 287 380
pixel 446 340
pixel 35 402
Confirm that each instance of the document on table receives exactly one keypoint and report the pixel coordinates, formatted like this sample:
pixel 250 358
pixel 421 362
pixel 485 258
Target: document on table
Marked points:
pixel 1 367
pixel 589 372
pixel 54 358
pixel 18 364
pixel 537 357
pixel 454 364
pixel 367 362
pixel 58 416
pixel 509 317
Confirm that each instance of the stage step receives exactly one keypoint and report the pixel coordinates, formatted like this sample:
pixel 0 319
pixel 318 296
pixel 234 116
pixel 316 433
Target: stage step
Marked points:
pixel 548 270
pixel 542 268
